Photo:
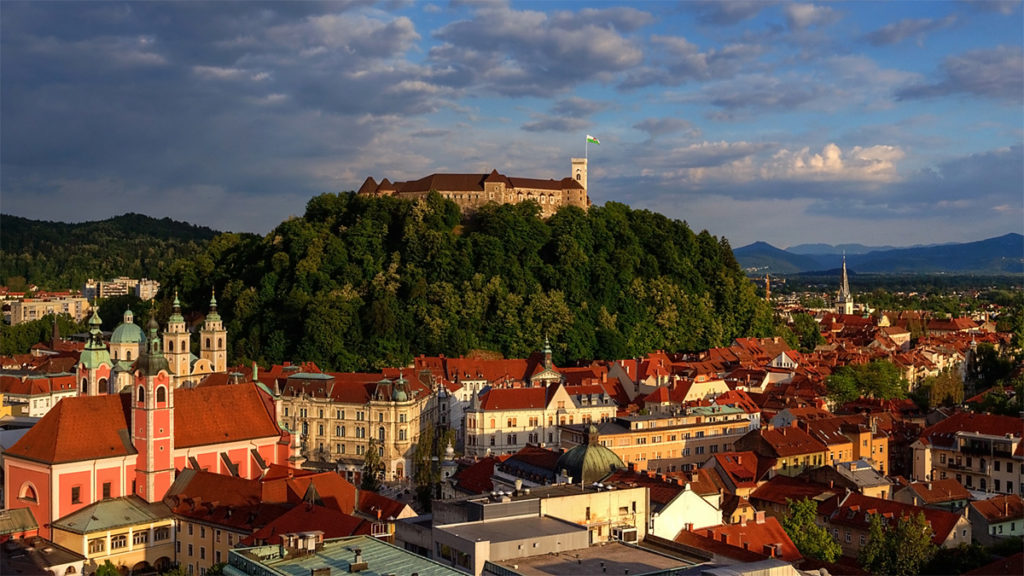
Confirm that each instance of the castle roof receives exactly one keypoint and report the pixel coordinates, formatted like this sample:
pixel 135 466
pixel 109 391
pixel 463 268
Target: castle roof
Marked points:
pixel 467 183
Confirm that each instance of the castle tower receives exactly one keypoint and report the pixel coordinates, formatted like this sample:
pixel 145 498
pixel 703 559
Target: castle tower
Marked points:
pixel 579 171
pixel 845 304
pixel 213 339
pixel 177 348
pixel 152 405
pixel 94 364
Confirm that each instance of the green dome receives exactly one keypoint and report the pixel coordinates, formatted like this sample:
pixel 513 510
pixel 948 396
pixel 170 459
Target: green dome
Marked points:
pixel 128 332
pixel 589 463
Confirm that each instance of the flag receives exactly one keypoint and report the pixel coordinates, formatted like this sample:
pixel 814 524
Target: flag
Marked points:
pixel 592 139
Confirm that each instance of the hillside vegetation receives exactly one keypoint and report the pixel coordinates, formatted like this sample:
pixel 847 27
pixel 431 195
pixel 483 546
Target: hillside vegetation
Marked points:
pixel 359 283
pixel 57 255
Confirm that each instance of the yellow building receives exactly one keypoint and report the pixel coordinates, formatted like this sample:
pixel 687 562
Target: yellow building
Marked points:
pixel 337 415
pixel 129 532
pixel 667 443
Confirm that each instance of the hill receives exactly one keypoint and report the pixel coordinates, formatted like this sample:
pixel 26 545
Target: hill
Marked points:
pixel 1000 255
pixel 360 282
pixel 58 255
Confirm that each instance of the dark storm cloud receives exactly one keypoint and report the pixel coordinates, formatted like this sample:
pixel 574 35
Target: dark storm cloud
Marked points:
pixel 996 73
pixel 219 100
pixel 520 52
pixel 907 28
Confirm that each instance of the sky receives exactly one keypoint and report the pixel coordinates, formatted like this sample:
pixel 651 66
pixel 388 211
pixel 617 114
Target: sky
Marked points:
pixel 880 123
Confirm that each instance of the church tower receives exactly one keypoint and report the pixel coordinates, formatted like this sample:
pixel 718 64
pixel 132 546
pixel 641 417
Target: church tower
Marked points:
pixel 152 405
pixel 213 339
pixel 845 305
pixel 94 364
pixel 177 348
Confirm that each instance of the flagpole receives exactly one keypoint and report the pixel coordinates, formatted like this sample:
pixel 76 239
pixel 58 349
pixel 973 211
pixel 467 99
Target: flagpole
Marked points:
pixel 586 149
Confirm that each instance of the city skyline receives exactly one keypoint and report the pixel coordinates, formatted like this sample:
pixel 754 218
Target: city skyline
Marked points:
pixel 790 123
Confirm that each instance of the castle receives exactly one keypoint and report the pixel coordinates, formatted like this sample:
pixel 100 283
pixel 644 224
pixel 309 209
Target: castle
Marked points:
pixel 471 191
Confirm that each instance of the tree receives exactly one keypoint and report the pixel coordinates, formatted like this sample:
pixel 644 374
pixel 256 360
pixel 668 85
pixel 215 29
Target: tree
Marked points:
pixel 807 331
pixel 427 459
pixel 373 468
pixel 897 549
pixel 810 539
pixel 879 379
pixel 107 569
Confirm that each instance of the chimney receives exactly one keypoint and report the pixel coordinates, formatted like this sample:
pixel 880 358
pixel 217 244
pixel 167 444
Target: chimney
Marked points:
pixel 255 372
pixel 759 517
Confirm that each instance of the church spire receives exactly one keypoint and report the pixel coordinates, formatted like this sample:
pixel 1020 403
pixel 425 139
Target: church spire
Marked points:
pixel 845 305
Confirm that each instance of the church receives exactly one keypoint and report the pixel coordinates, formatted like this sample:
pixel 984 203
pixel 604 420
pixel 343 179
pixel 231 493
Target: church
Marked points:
pixel 471 191
pixel 103 444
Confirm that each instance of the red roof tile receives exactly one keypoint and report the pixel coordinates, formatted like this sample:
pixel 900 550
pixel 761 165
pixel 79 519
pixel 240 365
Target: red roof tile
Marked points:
pixel 76 429
pixel 305 517
pixel 1001 508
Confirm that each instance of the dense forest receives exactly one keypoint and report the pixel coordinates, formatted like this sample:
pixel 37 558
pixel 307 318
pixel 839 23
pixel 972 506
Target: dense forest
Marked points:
pixel 359 283
pixel 58 256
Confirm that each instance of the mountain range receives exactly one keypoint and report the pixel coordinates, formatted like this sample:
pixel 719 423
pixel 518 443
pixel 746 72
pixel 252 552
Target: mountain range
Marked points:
pixel 993 256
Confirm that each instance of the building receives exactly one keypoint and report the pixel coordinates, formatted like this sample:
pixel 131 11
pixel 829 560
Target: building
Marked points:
pixel 844 305
pixel 95 447
pixel 793 449
pixel 144 289
pixel 310 553
pixel 667 443
pixel 997 518
pixel 30 309
pixel 33 395
pixel 337 415
pixel 983 452
pixel 471 191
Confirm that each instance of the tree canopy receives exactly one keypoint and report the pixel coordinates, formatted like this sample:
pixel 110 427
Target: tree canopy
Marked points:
pixel 360 282
pixel 897 548
pixel 810 539
pixel 878 379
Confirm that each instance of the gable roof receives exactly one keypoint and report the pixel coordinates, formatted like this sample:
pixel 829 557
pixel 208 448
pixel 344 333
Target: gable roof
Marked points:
pixel 94 427
pixel 305 517
pixel 1001 508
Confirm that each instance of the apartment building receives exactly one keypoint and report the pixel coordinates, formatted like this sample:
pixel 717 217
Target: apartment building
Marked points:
pixel 667 442
pixel 983 452
pixel 29 309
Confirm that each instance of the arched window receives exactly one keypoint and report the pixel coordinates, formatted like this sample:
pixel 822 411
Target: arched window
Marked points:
pixel 142 394
pixel 220 342
pixel 128 355
pixel 207 342
pixel 170 345
pixel 161 394
pixel 579 177
pixel 28 493
pixel 103 386
pixel 85 386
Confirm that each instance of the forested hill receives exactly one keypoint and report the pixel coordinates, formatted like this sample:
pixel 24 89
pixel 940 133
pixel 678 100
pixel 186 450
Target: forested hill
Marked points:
pixel 362 282
pixel 57 255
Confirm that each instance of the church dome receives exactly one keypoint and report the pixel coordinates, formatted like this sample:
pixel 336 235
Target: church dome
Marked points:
pixel 590 462
pixel 128 332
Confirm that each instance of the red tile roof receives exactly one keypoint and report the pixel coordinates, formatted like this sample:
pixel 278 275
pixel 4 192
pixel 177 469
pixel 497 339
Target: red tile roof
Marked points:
pixel 305 517
pixel 333 490
pixel 855 511
pixel 477 477
pixel 514 399
pixel 91 427
pixel 662 489
pixel 938 491
pixel 761 538
pixel 944 433
pixel 373 505
pixel 1001 508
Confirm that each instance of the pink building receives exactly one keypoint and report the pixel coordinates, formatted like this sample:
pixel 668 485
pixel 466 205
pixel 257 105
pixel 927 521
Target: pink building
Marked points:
pixel 90 448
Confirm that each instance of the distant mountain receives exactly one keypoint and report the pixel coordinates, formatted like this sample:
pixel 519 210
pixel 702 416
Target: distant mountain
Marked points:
pixel 1001 255
pixel 818 249
pixel 761 257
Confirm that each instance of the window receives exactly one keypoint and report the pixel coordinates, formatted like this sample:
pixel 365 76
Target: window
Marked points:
pixel 492 440
pixel 190 530
pixel 320 430
pixel 140 538
pixel 996 465
pixel 402 418
pixel 106 490
pixel 337 431
pixel 202 552
pixel 202 531
pixel 190 550
pixel 97 545
pixel 402 435
pixel 161 533
pixel 119 541
pixel 321 413
pixel 380 434
pixel 142 394
pixel 161 394
pixel 285 410
pixel 76 495
pixel 942 458
pixel 380 417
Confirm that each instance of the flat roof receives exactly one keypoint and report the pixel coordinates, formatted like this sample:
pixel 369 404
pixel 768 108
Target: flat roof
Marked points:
pixel 614 557
pixel 511 529
pixel 338 554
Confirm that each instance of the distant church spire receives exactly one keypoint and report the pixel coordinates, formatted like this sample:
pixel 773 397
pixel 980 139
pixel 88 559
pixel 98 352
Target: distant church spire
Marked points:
pixel 845 305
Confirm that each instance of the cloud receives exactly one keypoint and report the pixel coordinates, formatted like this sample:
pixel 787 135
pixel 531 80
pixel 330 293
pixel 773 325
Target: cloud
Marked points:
pixel 801 16
pixel 907 28
pixel 655 127
pixel 1004 7
pixel 997 73
pixel 556 124
pixel 577 106
pixel 870 164
pixel 521 52
pixel 727 13
pixel 674 60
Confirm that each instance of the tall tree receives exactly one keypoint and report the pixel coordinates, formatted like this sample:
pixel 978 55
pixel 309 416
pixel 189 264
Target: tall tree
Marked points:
pixel 810 539
pixel 373 468
pixel 900 548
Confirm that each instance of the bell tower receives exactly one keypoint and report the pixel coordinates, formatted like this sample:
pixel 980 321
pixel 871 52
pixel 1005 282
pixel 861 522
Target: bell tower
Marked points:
pixel 152 431
pixel 213 339
pixel 579 171
pixel 94 365
pixel 177 346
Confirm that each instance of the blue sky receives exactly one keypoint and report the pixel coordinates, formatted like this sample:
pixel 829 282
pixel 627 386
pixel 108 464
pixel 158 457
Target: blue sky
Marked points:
pixel 894 123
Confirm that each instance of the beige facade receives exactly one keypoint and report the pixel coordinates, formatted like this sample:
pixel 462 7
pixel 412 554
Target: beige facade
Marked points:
pixel 337 428
pixel 199 545
pixel 132 545
pixel 667 443
pixel 506 420
pixel 29 309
